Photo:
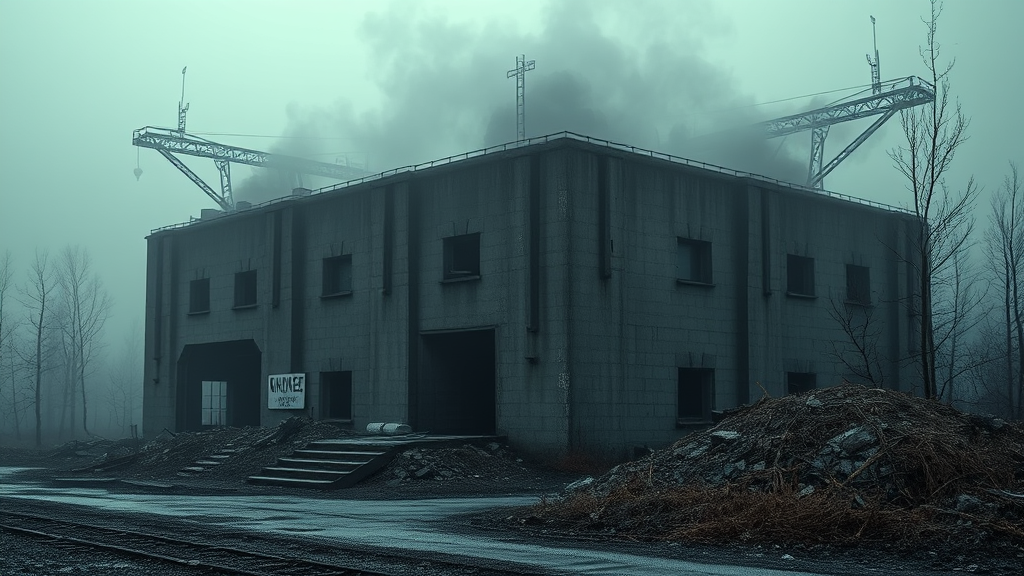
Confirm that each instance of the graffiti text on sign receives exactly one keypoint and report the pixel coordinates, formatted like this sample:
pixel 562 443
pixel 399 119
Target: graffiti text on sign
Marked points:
pixel 286 391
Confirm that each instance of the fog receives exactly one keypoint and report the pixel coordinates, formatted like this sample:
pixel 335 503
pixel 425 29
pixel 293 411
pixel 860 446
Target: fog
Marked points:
pixel 443 94
pixel 385 84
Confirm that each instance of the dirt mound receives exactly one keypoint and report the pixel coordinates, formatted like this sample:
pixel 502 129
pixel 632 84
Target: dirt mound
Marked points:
pixel 217 457
pixel 839 465
pixel 463 468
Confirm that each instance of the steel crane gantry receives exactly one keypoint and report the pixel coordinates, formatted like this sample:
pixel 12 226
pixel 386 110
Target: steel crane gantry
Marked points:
pixel 886 99
pixel 167 142
pixel 892 96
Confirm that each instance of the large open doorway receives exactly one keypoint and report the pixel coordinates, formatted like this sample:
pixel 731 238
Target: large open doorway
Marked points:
pixel 219 385
pixel 457 383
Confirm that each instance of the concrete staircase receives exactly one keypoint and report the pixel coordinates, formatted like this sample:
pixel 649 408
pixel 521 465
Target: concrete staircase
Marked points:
pixel 327 464
pixel 212 461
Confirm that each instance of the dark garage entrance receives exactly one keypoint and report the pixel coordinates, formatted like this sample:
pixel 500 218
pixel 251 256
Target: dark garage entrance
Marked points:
pixel 457 383
pixel 219 385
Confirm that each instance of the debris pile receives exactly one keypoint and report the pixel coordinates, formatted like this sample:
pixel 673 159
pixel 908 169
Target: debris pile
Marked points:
pixel 842 464
pixel 466 463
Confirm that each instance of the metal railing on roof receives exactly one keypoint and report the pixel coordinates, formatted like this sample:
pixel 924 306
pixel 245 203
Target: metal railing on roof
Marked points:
pixel 510 146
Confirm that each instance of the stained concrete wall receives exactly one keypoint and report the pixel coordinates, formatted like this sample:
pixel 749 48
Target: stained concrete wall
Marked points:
pixel 578 250
pixel 632 324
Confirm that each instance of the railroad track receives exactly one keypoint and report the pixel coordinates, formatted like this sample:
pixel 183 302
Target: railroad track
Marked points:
pixel 205 556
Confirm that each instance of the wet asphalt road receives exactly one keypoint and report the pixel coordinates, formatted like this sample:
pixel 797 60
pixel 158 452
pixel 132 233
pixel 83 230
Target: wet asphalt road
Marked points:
pixel 392 524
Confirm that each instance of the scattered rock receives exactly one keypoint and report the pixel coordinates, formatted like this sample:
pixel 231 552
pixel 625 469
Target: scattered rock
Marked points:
pixel 806 491
pixel 581 483
pixel 723 436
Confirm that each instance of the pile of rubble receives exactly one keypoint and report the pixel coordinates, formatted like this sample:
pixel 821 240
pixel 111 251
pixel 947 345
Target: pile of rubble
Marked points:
pixel 467 465
pixel 843 464
pixel 218 456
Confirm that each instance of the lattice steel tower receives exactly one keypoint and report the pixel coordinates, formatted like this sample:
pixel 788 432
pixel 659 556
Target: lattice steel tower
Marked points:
pixel 522 66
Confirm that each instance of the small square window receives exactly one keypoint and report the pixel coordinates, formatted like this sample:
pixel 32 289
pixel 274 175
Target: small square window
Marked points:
pixel 693 263
pixel 215 403
pixel 336 395
pixel 337 275
pixel 462 256
pixel 199 296
pixel 696 395
pixel 245 289
pixel 800 382
pixel 858 284
pixel 800 275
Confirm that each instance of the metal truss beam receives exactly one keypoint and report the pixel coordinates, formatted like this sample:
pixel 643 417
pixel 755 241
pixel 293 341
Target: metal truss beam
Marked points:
pixel 896 95
pixel 172 141
pixel 224 203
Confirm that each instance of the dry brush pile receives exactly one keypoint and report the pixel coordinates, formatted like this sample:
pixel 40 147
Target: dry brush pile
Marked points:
pixel 841 465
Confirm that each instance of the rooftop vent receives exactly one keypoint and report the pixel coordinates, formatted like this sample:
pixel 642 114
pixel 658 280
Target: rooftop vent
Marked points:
pixel 301 192
pixel 243 205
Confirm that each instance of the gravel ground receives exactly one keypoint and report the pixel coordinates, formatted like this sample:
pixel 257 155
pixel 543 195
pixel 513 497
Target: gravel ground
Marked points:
pixel 30 556
pixel 453 471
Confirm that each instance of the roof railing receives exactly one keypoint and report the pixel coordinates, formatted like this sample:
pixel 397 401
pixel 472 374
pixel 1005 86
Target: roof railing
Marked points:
pixel 510 146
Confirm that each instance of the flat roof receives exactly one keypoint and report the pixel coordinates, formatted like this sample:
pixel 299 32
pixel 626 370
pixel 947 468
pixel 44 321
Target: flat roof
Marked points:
pixel 556 138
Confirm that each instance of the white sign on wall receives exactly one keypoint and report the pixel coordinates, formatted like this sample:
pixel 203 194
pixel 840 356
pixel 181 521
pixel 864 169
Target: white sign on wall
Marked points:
pixel 286 391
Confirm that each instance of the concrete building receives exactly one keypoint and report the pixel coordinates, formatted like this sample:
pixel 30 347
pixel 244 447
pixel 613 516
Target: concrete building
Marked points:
pixel 579 297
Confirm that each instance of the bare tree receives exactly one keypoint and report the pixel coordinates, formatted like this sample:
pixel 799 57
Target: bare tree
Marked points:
pixel 1004 247
pixel 934 133
pixel 7 336
pixel 125 386
pixel 957 313
pixel 858 351
pixel 36 296
pixel 88 307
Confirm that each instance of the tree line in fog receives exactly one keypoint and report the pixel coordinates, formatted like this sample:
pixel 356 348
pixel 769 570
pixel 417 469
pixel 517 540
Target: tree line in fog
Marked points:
pixel 59 379
pixel 968 298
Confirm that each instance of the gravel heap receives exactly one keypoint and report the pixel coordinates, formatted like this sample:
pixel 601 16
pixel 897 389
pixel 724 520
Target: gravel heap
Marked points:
pixel 843 464
pixel 464 467
pixel 218 457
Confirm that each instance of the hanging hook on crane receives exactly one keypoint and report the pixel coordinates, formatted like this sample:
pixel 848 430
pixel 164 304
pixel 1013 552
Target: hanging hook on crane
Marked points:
pixel 138 169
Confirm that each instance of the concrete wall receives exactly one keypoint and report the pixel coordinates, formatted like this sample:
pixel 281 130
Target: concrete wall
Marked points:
pixel 578 252
pixel 632 324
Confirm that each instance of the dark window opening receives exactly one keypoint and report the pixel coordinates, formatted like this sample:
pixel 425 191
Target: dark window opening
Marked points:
pixel 800 382
pixel 336 395
pixel 337 275
pixel 245 289
pixel 199 296
pixel 693 262
pixel 462 256
pixel 800 275
pixel 858 284
pixel 696 394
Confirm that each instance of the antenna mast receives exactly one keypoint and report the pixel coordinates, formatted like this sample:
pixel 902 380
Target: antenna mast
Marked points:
pixel 522 66
pixel 876 79
pixel 182 106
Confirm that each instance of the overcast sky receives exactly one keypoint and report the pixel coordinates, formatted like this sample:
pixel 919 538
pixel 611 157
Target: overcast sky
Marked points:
pixel 391 83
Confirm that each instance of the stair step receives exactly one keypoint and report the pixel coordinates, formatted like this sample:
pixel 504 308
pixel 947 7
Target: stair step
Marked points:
pixel 318 464
pixel 288 481
pixel 208 463
pixel 347 447
pixel 282 472
pixel 333 454
pixel 220 456
pixel 193 469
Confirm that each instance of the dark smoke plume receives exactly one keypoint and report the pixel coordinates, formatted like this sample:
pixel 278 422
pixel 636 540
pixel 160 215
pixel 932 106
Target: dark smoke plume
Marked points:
pixel 445 91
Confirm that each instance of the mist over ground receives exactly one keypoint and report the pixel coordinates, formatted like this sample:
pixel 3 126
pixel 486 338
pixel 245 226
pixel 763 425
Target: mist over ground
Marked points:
pixel 444 91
